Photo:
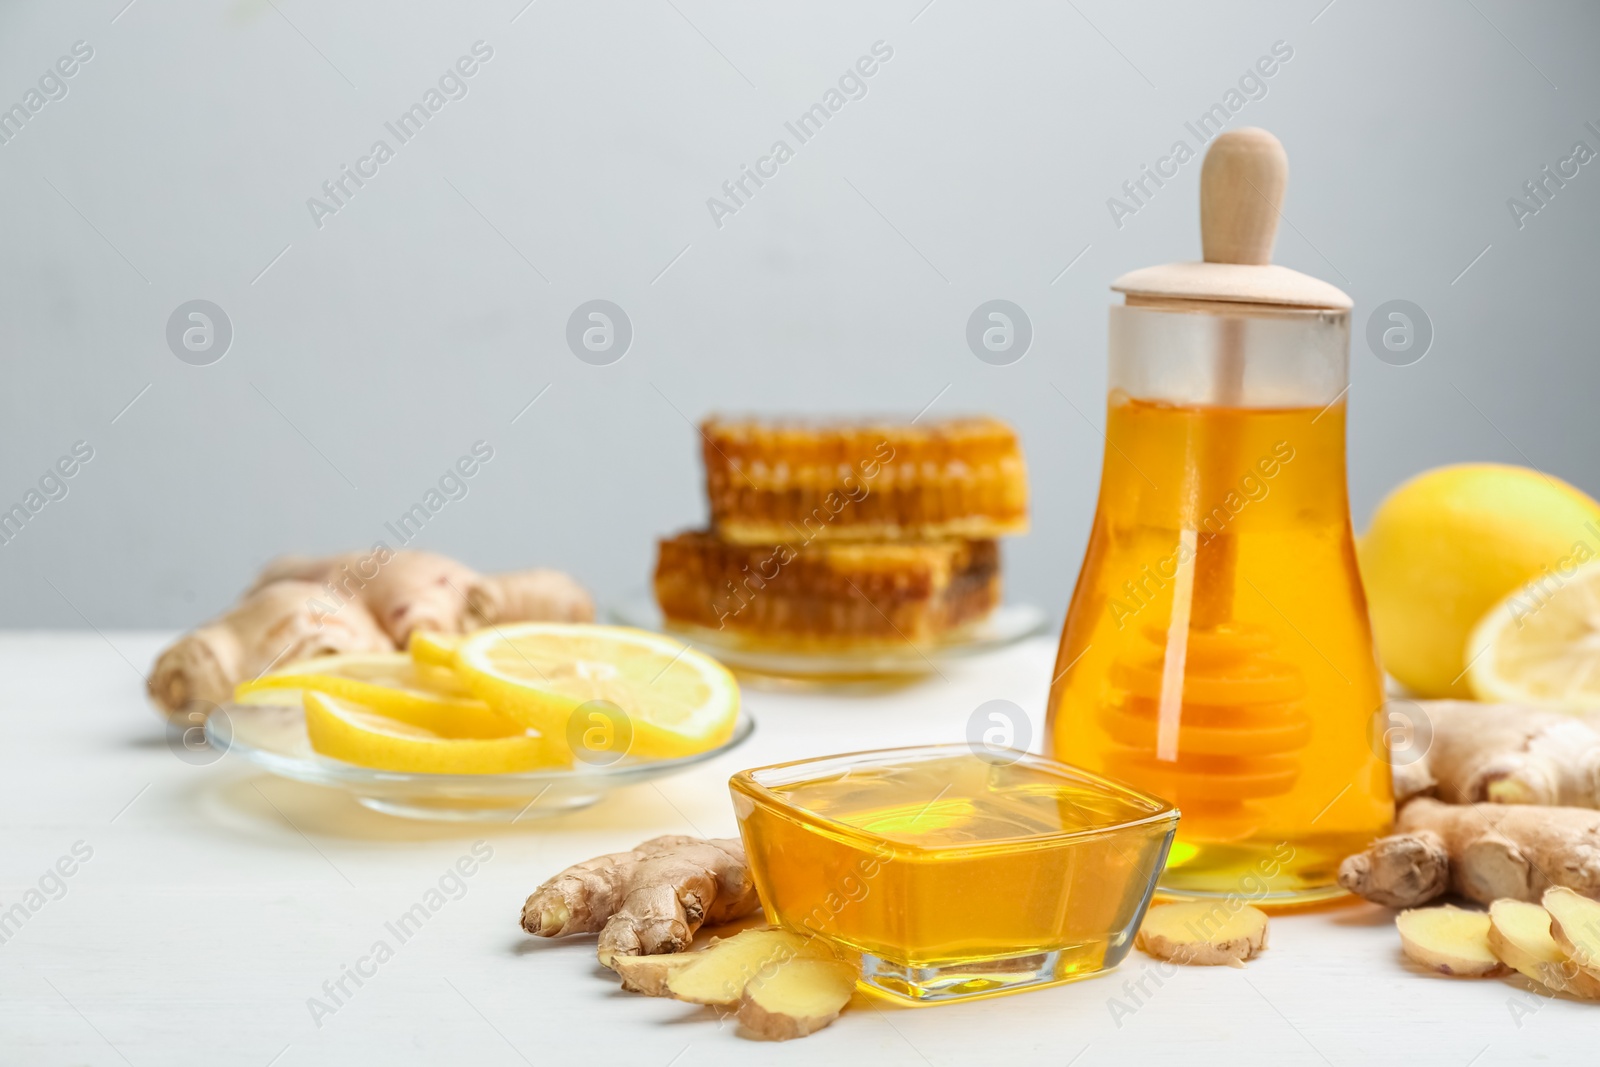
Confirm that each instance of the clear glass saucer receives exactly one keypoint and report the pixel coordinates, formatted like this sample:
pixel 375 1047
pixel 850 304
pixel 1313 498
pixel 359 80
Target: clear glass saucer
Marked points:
pixel 274 737
pixel 869 665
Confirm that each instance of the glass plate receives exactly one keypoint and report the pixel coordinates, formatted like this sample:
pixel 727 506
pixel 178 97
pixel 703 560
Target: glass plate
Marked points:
pixel 274 737
pixel 878 664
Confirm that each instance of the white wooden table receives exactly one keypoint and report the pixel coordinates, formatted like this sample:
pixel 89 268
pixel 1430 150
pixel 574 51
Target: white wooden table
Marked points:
pixel 215 901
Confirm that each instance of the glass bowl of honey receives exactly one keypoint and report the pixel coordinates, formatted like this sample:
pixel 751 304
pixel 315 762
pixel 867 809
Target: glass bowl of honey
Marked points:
pixel 950 872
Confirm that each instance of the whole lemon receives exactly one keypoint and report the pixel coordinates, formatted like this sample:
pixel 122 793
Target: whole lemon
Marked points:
pixel 1446 546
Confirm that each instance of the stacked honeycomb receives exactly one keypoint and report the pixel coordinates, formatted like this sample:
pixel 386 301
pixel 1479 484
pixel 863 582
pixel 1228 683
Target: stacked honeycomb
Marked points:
pixel 845 535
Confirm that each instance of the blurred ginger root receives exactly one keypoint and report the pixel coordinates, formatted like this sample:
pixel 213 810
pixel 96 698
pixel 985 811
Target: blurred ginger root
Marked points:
pixel 301 607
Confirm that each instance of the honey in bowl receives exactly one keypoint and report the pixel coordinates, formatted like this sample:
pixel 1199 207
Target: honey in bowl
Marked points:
pixel 950 874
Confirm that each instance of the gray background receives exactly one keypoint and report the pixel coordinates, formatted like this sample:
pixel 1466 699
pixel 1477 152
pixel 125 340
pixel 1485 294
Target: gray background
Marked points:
pixel 377 349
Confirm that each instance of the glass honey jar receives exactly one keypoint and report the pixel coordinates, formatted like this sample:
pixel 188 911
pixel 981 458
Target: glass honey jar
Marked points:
pixel 1217 652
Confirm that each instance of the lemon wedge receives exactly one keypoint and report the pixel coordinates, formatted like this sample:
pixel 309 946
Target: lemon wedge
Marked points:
pixel 347 731
pixel 388 683
pixel 433 650
pixel 1541 644
pixel 603 687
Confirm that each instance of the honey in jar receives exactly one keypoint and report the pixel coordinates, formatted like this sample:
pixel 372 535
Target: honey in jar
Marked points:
pixel 1217 651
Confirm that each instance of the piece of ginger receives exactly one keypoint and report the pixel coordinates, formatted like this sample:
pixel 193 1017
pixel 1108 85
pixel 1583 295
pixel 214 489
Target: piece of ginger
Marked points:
pixel 798 998
pixel 1575 925
pixel 1449 940
pixel 648 901
pixel 300 608
pixel 1482 851
pixel 1519 933
pixel 1505 754
pixel 718 975
pixel 1203 933
pixel 649 974
pixel 781 984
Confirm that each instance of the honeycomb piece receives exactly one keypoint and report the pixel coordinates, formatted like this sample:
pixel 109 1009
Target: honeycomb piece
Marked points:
pixel 826 594
pixel 770 482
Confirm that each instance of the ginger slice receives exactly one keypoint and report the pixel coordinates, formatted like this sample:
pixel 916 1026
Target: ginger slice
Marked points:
pixel 1449 940
pixel 718 975
pixel 1575 925
pixel 1203 933
pixel 1519 933
pixel 649 974
pixel 800 997
pixel 782 984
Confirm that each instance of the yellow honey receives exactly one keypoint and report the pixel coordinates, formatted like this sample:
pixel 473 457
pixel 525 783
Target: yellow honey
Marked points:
pixel 950 873
pixel 1217 652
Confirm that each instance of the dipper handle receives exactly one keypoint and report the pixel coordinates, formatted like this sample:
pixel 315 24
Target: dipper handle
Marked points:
pixel 1241 189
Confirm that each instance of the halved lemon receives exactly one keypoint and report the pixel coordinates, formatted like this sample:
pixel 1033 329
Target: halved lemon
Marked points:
pixel 571 680
pixel 433 650
pixel 347 731
pixel 1541 644
pixel 389 683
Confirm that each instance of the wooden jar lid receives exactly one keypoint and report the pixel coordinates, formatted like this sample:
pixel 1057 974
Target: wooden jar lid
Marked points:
pixel 1241 190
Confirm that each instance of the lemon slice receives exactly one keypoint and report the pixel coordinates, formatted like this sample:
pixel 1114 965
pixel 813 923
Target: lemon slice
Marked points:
pixel 1541 644
pixel 434 650
pixel 346 731
pixel 389 683
pixel 654 698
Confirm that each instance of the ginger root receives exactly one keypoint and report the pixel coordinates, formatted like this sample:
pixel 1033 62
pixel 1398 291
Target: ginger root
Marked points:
pixel 1203 933
pixel 371 602
pixel 1449 940
pixel 276 623
pixel 647 901
pixel 1505 754
pixel 408 591
pixel 1482 851
pixel 527 596
pixel 1519 934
